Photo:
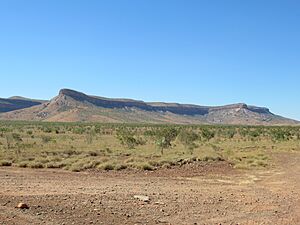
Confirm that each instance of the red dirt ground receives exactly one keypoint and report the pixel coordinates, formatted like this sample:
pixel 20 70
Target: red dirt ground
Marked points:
pixel 192 194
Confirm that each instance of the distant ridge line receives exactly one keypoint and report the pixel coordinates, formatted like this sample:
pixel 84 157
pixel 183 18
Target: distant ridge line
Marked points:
pixel 73 106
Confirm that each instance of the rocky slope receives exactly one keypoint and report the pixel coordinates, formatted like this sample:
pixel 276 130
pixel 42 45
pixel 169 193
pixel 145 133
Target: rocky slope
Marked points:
pixel 16 102
pixel 71 106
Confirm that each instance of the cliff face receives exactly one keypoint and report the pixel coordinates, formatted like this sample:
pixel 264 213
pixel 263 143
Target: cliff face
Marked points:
pixel 181 109
pixel 104 102
pixel 11 104
pixel 74 106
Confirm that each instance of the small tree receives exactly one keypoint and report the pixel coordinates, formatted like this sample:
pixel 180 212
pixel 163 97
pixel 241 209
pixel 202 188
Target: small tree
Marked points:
pixel 90 133
pixel 46 139
pixel 127 138
pixel 3 130
pixel 17 137
pixel 230 132
pixel 162 143
pixel 164 137
pixel 188 138
pixel 208 134
pixel 9 141
pixel 14 140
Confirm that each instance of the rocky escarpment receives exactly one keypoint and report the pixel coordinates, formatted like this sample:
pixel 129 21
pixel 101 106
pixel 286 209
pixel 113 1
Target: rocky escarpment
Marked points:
pixel 73 106
pixel 15 103
pixel 180 109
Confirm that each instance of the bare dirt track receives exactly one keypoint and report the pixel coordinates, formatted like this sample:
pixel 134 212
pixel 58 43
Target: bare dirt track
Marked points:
pixel 192 194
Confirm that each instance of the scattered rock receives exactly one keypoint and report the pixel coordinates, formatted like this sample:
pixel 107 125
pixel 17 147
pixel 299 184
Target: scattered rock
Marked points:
pixel 22 205
pixel 159 203
pixel 6 203
pixel 143 198
pixel 162 221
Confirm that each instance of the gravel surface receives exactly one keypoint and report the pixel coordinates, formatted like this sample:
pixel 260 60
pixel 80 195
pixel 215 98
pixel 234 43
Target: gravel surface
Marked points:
pixel 192 194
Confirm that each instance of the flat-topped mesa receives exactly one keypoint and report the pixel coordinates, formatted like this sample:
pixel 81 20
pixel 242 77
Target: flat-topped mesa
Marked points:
pixel 185 109
pixel 181 109
pixel 104 102
pixel 73 106
pixel 241 106
pixel 129 103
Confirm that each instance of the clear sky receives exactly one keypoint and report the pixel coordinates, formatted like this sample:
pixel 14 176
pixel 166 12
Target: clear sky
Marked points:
pixel 207 52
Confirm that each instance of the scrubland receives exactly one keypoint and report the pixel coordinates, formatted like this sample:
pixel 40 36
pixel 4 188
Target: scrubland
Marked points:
pixel 92 146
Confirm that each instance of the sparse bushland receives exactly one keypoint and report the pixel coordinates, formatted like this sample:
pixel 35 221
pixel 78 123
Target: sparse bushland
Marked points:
pixel 188 138
pixel 84 146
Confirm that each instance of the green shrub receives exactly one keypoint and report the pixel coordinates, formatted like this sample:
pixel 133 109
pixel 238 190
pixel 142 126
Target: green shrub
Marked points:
pixel 93 153
pixel 145 166
pixel 23 164
pixel 188 138
pixel 120 167
pixel 107 166
pixel 46 139
pixel 280 135
pixel 165 136
pixel 5 163
pixel 54 165
pixel 127 138
pixel 35 165
pixel 16 137
pixel 76 168
pixel 208 134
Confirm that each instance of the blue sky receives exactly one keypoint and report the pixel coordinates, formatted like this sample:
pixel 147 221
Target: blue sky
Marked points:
pixel 207 52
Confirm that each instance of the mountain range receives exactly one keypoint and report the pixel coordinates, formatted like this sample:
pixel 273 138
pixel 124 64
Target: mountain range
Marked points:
pixel 74 106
